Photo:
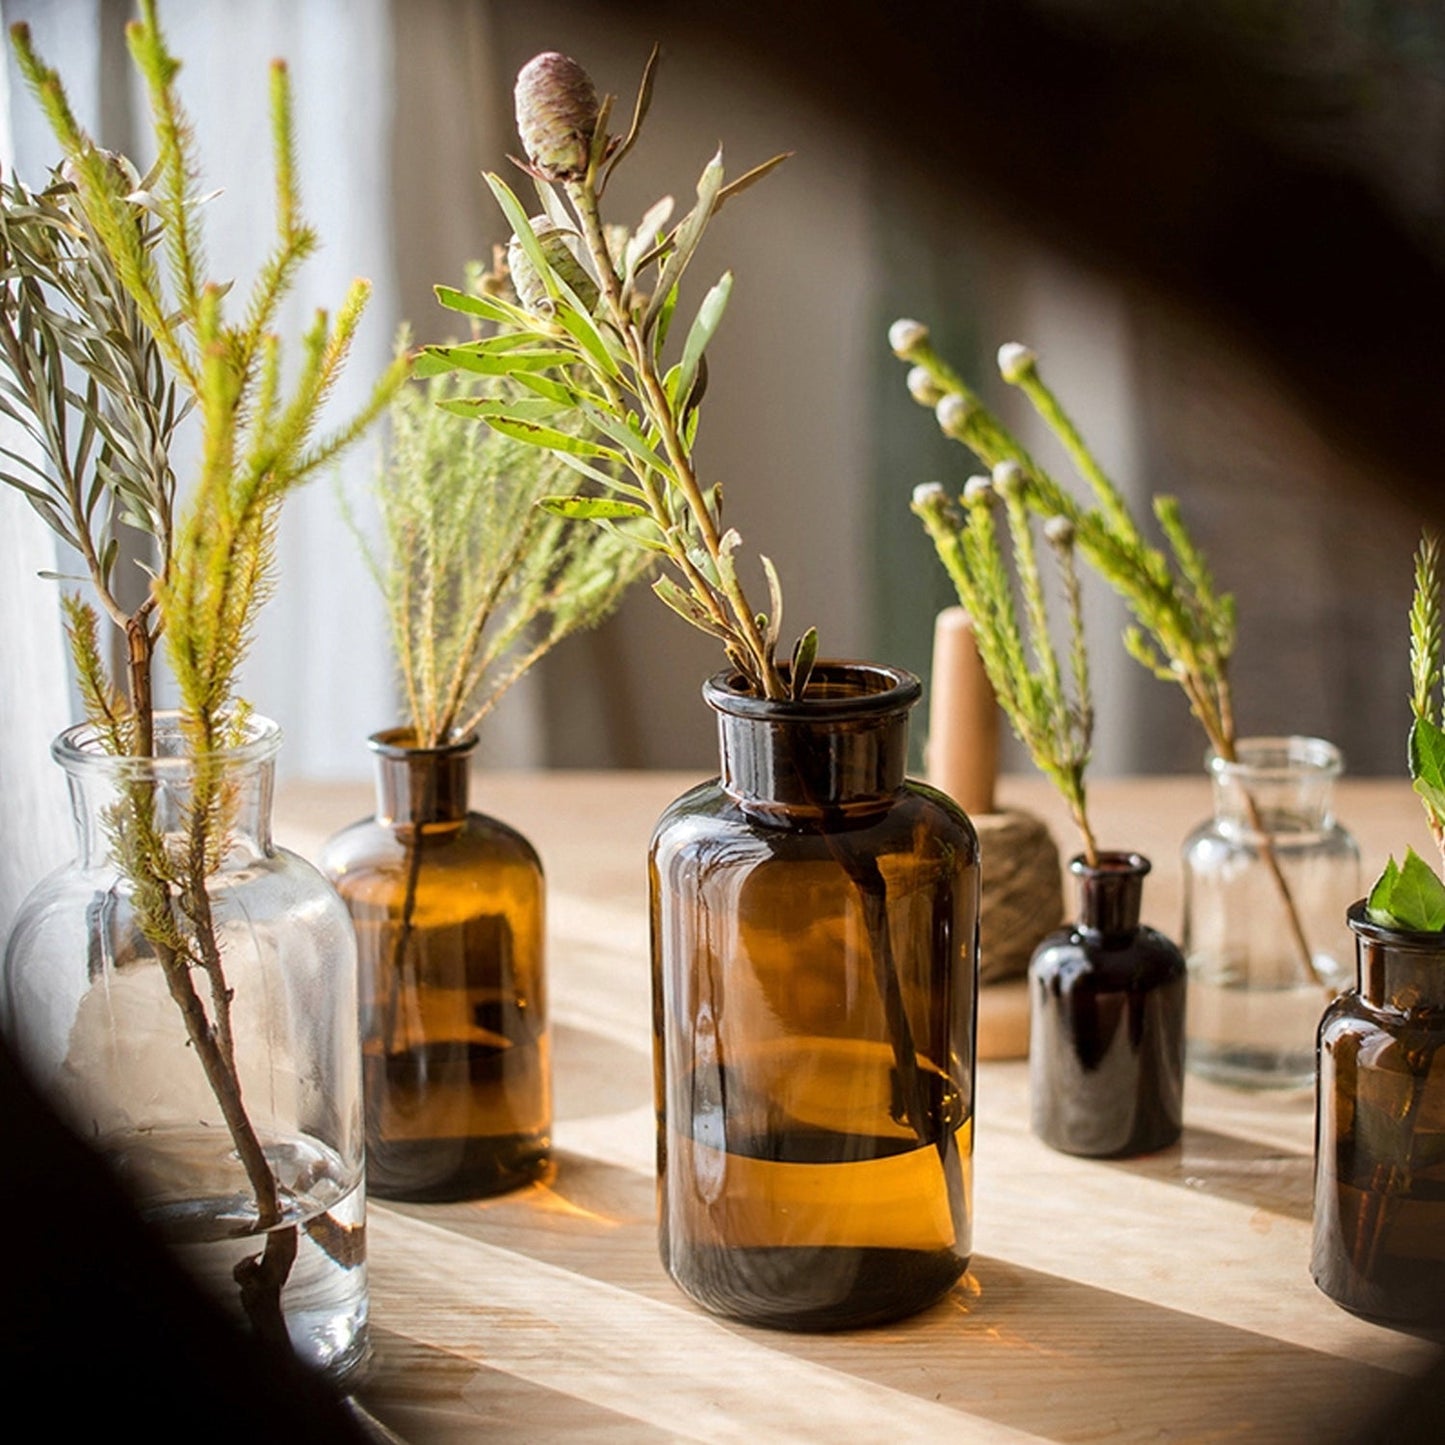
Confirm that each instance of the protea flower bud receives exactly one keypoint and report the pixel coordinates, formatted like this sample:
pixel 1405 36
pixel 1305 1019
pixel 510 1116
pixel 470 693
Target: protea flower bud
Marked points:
pixel 556 115
pixel 557 248
pixel 977 491
pixel 922 387
pixel 906 336
pixel 953 413
pixel 1015 362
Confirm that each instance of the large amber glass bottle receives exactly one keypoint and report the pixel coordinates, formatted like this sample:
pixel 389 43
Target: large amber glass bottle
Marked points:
pixel 448 908
pixel 814 940
pixel 1379 1210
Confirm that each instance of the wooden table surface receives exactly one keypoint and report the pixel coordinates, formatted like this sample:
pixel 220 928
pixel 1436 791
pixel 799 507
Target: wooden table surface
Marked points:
pixel 1163 1299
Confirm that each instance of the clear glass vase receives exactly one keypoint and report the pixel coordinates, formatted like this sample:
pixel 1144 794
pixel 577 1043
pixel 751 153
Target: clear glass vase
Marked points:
pixel 815 954
pixel 1106 1050
pixel 1267 882
pixel 1379 1205
pixel 449 912
pixel 185 993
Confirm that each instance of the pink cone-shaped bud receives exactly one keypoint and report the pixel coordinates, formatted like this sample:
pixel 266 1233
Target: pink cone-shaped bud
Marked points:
pixel 556 115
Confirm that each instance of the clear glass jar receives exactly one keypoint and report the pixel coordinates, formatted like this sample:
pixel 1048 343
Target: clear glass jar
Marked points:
pixel 448 906
pixel 197 1025
pixel 1267 882
pixel 1106 1050
pixel 815 955
pixel 1379 1207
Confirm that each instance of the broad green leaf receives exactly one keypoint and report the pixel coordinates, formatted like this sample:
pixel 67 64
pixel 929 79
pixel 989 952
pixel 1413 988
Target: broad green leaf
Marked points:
pixel 1427 763
pixel 1410 896
pixel 592 508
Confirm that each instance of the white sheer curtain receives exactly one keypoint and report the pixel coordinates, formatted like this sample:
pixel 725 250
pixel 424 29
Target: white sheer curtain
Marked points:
pixel 34 825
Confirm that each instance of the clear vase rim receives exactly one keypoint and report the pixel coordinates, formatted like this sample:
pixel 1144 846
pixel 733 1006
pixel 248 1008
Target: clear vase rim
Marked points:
pixel 1280 758
pixel 882 690
pixel 78 749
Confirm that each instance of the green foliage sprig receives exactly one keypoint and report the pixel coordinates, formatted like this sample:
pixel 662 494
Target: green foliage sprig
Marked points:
pixel 1184 627
pixel 1054 723
pixel 1410 895
pixel 586 348
pixel 100 340
pixel 479 581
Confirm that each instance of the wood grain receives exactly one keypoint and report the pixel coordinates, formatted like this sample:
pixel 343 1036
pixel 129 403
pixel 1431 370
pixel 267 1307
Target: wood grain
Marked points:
pixel 1161 1299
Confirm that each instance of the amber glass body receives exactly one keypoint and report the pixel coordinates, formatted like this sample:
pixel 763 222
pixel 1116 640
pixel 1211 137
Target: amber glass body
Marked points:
pixel 448 908
pixel 814 951
pixel 1106 1052
pixel 1379 1212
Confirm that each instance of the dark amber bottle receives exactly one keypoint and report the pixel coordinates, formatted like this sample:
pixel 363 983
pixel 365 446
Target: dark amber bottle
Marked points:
pixel 814 942
pixel 1379 1213
pixel 448 907
pixel 1106 1047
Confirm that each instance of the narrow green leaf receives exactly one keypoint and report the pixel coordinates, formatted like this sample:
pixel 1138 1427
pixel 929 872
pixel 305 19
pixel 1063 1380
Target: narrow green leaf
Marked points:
pixel 689 234
pixel 688 608
pixel 487 307
pixel 709 314
pixel 485 362
pixel 522 229
pixel 522 430
pixel 805 654
pixel 748 178
pixel 592 508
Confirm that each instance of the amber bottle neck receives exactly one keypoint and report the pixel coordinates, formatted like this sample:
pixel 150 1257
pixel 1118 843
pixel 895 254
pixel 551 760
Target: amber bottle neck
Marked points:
pixel 1398 970
pixel 845 745
pixel 420 786
pixel 1110 892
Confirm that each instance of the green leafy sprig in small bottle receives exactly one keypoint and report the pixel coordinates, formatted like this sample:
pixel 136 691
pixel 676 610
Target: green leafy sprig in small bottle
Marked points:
pixel 1410 895
pixel 1054 721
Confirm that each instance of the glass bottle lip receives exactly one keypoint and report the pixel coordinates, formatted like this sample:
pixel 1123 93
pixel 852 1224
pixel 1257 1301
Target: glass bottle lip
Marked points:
pixel 1278 759
pixel 397 743
pixel 79 751
pixel 1110 864
pixel 1402 940
pixel 837 692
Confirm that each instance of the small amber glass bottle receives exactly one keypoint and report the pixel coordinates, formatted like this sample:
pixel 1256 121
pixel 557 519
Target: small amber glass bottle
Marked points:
pixel 1106 1048
pixel 448 907
pixel 814 927
pixel 1379 1208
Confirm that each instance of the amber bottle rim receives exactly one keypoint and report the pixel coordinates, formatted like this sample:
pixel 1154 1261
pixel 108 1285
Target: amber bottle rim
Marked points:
pixel 1402 940
pixel 838 691
pixel 398 743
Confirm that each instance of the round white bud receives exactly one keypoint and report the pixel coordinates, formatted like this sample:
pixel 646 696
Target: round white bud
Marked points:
pixel 1015 361
pixel 925 494
pixel 922 387
pixel 904 336
pixel 953 412
pixel 1060 532
pixel 1008 477
pixel 977 490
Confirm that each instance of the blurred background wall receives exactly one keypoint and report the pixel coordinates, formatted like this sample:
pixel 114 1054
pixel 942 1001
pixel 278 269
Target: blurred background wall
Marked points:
pixel 877 215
